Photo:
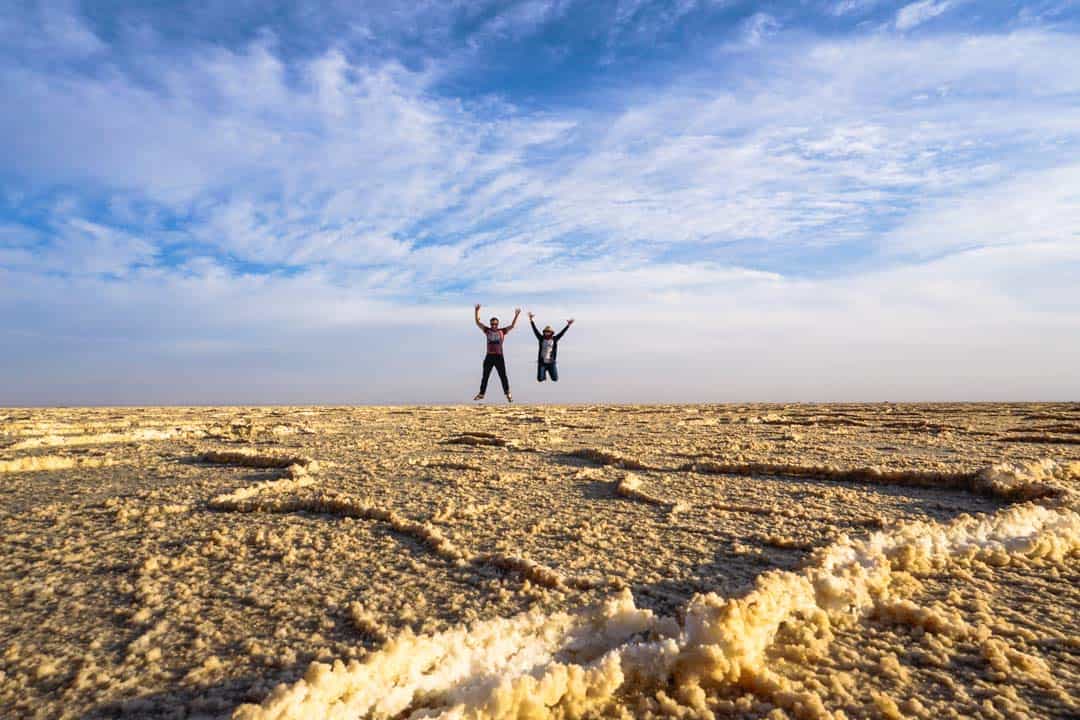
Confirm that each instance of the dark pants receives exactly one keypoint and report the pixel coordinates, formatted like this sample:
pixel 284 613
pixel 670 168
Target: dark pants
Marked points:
pixel 543 369
pixel 499 363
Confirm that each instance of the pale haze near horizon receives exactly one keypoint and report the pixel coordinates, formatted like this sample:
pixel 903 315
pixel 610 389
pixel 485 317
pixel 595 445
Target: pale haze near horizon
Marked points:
pixel 784 202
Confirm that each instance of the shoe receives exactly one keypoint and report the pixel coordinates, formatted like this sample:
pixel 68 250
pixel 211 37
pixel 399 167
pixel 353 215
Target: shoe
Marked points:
pixel 509 398
pixel 479 396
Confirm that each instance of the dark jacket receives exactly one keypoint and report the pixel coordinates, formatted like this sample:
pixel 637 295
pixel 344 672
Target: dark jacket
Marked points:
pixel 540 345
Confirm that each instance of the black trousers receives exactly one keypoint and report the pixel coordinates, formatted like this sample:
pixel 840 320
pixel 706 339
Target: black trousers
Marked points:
pixel 499 363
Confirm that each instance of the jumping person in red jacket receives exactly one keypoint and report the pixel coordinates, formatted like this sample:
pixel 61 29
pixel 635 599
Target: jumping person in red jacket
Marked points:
pixel 494 357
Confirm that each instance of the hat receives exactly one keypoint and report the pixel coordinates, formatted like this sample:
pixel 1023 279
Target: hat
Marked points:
pixel 547 328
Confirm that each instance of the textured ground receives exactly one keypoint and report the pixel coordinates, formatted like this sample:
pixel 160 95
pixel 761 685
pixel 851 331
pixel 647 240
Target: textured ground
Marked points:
pixel 751 561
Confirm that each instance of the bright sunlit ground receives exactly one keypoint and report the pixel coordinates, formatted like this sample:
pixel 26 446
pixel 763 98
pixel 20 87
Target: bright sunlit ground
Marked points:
pixel 184 562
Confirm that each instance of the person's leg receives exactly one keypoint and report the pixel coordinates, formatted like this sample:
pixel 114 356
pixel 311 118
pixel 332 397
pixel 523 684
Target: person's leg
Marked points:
pixel 540 372
pixel 554 371
pixel 489 363
pixel 500 365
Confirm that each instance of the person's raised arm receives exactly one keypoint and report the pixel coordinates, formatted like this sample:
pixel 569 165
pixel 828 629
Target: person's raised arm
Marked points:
pixel 563 331
pixel 479 324
pixel 517 311
pixel 535 331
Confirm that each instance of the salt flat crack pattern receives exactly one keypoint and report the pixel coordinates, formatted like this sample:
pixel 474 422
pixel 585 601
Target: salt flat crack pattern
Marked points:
pixel 658 561
pixel 270 496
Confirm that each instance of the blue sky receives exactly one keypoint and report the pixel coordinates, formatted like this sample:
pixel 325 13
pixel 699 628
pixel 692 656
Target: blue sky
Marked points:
pixel 291 202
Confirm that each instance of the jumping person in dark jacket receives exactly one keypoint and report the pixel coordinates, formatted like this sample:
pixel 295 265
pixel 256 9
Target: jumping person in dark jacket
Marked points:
pixel 494 357
pixel 548 352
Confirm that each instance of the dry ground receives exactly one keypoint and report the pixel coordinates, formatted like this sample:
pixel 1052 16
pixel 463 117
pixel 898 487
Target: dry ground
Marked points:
pixel 754 562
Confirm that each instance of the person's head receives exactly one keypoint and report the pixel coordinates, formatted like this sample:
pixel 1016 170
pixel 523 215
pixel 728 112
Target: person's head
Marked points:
pixel 548 332
pixel 494 322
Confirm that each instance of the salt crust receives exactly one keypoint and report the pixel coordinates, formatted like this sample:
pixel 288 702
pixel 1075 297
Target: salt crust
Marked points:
pixel 267 496
pixel 42 463
pixel 566 664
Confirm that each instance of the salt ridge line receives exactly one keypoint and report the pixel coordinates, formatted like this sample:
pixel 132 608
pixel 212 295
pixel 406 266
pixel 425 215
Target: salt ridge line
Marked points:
pixel 998 481
pixel 265 497
pixel 1042 439
pixel 537 667
pixel 1034 481
pixel 411 667
pixel 629 486
pixel 298 470
pixel 332 503
pixel 602 457
pixel 744 630
pixel 538 573
pixel 247 458
pixel 297 478
pixel 41 463
pixel 101 438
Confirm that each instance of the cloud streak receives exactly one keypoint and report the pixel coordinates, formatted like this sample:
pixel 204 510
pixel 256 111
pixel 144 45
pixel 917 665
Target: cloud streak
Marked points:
pixel 920 12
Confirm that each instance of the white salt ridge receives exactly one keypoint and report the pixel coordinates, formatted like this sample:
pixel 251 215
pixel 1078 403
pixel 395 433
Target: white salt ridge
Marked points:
pixel 41 463
pixel 427 534
pixel 533 571
pixel 298 471
pixel 236 500
pixel 268 497
pixel 1038 479
pixel 142 434
pixel 603 457
pixel 566 664
pixel 252 459
pixel 487 663
pixel 629 486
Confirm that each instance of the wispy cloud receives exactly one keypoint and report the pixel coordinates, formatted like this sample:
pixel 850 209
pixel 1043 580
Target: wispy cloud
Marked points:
pixel 844 7
pixel 919 12
pixel 758 27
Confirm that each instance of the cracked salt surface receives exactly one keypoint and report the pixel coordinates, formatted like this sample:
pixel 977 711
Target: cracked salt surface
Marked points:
pixel 505 562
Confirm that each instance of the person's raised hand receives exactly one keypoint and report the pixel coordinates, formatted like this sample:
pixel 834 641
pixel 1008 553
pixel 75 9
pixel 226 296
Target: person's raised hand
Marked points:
pixel 531 315
pixel 570 321
pixel 478 307
pixel 517 311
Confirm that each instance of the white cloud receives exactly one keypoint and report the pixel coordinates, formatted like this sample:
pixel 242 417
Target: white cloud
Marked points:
pixel 48 31
pixel 74 246
pixel 816 150
pixel 632 281
pixel 917 13
pixel 644 21
pixel 520 19
pixel 335 167
pixel 642 334
pixel 342 165
pixel 85 247
pixel 845 7
pixel 759 26
pixel 1029 209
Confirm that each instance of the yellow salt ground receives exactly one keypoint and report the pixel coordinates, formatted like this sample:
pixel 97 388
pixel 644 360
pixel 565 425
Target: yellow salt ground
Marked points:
pixel 753 561
pixel 105 438
pixel 512 668
pixel 41 463
pixel 254 459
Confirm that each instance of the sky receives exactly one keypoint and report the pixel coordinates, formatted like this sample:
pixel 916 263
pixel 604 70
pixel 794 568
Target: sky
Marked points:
pixel 264 202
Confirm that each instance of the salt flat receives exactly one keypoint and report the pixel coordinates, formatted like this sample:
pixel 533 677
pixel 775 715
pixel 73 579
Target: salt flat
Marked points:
pixel 516 561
